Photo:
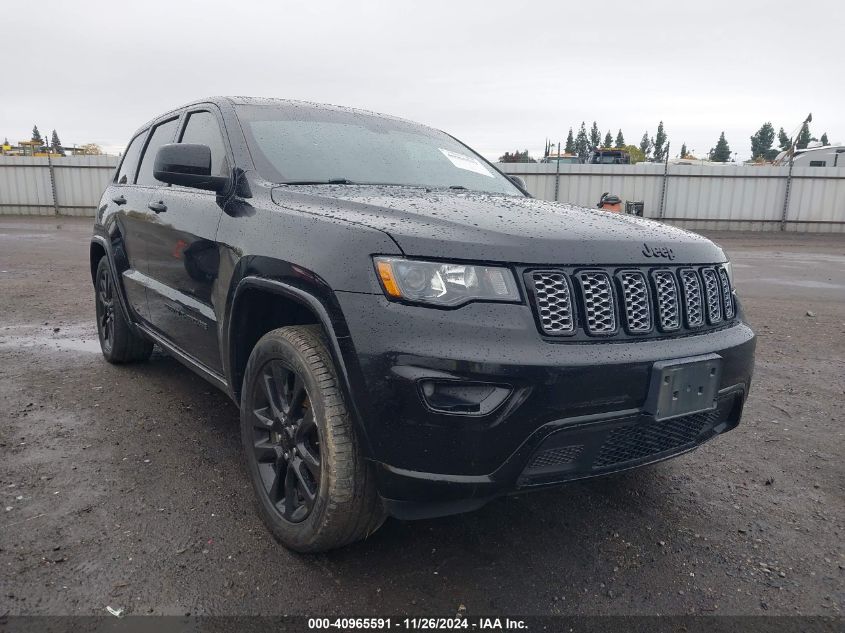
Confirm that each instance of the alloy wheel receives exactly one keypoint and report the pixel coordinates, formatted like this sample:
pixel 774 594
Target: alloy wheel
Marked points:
pixel 286 441
pixel 105 308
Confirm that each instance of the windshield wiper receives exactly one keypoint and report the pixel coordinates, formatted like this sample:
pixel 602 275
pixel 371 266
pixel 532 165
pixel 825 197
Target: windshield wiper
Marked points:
pixel 461 187
pixel 331 181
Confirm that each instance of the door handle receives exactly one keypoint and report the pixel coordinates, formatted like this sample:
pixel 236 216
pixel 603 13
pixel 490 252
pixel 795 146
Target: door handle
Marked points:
pixel 158 207
pixel 119 200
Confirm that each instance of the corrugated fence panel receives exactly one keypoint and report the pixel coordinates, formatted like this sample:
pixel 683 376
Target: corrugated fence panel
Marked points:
pixel 702 196
pixel 81 183
pixel 25 187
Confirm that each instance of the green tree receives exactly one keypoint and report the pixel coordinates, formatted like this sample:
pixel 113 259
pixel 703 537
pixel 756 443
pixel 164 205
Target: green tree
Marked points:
pixel 659 151
pixel 57 144
pixel 762 141
pixel 784 142
pixel 582 142
pixel 516 157
pixel 722 152
pixel 804 136
pixel 570 143
pixel 683 150
pixel 36 135
pixel 595 136
pixel 608 140
pixel 824 140
pixel 634 152
pixel 620 140
pixel 645 146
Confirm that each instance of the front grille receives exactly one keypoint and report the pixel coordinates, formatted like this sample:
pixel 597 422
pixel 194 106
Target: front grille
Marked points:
pixel 711 291
pixel 727 297
pixel 599 311
pixel 640 441
pixel 554 302
pixel 668 310
pixel 692 297
pixel 648 302
pixel 635 296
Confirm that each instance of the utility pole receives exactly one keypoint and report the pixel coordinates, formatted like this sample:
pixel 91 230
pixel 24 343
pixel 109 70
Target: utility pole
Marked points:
pixel 794 140
pixel 665 178
pixel 557 172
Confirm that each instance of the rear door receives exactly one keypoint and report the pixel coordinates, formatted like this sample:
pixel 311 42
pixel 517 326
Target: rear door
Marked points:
pixel 139 218
pixel 183 253
pixel 126 208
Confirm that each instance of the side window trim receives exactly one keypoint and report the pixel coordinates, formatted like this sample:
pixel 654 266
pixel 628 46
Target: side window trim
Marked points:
pixel 151 131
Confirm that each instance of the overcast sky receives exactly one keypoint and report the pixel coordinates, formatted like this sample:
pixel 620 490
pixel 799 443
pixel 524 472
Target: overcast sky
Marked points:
pixel 498 75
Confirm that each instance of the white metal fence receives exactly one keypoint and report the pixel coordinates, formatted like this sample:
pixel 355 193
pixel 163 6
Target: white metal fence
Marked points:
pixel 702 197
pixel 64 186
pixel 741 198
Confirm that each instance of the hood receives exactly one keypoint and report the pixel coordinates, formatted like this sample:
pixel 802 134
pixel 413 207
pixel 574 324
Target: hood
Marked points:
pixel 496 228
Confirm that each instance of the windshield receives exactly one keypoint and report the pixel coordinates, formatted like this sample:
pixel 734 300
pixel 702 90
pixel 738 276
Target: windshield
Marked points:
pixel 296 143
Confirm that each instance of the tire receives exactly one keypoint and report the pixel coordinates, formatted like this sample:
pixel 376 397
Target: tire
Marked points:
pixel 315 491
pixel 117 340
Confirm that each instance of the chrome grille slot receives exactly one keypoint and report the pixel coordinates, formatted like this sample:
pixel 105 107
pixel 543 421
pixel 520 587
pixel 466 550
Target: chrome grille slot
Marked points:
pixel 634 301
pixel 635 298
pixel 666 290
pixel 712 295
pixel 727 297
pixel 599 311
pixel 554 302
pixel 693 302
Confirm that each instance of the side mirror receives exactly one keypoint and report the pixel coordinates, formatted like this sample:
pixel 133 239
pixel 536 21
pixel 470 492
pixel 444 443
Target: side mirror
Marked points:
pixel 189 165
pixel 519 182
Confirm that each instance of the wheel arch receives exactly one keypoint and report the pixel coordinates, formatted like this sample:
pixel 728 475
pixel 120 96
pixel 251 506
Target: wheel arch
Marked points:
pixel 260 305
pixel 97 251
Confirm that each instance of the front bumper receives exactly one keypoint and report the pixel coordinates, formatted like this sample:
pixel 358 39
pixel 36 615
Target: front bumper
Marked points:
pixel 574 410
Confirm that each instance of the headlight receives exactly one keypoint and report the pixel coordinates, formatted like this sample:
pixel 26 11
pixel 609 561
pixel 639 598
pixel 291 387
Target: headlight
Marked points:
pixel 443 283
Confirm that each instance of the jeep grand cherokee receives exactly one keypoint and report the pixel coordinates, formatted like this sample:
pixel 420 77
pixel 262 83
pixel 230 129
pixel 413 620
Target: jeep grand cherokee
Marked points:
pixel 405 331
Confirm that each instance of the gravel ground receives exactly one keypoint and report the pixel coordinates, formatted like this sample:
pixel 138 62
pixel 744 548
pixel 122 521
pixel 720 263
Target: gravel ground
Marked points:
pixel 123 486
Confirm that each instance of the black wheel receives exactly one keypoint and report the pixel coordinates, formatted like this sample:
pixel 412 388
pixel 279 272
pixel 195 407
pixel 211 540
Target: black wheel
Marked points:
pixel 118 342
pixel 315 491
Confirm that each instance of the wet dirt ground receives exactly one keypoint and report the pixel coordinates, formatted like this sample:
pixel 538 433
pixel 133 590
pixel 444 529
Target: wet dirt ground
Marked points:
pixel 124 487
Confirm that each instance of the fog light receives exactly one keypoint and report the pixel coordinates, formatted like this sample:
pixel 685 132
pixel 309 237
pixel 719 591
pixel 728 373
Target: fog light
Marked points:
pixel 463 398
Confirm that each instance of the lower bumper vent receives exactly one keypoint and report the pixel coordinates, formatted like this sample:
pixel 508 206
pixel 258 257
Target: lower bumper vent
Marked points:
pixel 637 442
pixel 556 457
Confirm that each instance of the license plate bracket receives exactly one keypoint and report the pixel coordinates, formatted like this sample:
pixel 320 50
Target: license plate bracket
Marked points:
pixel 684 386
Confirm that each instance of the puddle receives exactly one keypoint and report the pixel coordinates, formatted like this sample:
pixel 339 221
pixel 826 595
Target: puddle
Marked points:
pixel 73 338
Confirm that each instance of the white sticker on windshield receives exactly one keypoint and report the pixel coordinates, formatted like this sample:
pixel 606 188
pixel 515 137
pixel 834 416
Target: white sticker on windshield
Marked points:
pixel 462 161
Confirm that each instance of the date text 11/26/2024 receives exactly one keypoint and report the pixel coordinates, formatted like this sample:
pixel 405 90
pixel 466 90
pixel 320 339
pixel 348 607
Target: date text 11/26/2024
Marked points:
pixel 387 624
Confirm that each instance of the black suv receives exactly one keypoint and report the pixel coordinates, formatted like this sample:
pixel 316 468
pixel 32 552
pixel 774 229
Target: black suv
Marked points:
pixel 405 330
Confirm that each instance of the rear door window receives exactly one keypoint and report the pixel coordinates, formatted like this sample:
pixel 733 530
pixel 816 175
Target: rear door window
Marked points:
pixel 162 134
pixel 202 128
pixel 129 164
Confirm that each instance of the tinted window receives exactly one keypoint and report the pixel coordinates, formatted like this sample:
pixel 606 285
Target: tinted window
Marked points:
pixel 162 135
pixel 296 144
pixel 817 163
pixel 126 173
pixel 202 128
